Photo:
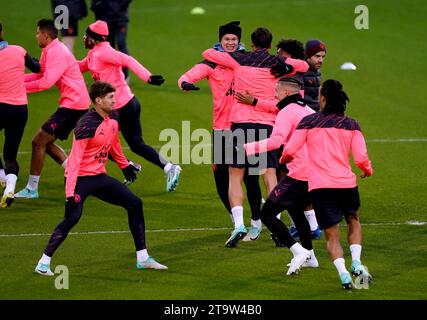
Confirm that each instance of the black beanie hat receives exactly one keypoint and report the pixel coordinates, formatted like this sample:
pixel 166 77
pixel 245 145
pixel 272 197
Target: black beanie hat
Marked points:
pixel 230 28
pixel 314 46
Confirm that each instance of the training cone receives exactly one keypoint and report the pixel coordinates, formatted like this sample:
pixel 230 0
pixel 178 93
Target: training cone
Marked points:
pixel 197 10
pixel 348 66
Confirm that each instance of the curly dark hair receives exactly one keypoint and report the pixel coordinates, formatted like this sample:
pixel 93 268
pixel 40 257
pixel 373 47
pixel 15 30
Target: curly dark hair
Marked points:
pixel 294 47
pixel 336 98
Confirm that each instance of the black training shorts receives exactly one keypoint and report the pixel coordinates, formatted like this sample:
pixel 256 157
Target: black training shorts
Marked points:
pixel 248 132
pixel 332 204
pixel 62 122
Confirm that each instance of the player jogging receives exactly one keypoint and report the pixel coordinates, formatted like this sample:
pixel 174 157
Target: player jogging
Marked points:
pixel 291 193
pixel 13 111
pixel 330 136
pixel 60 68
pixel 105 64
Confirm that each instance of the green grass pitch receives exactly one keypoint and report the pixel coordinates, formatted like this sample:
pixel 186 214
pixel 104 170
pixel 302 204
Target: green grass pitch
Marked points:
pixel 387 97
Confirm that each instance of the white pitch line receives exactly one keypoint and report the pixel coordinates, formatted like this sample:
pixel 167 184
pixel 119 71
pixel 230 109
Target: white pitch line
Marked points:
pixel 21 235
pixel 210 144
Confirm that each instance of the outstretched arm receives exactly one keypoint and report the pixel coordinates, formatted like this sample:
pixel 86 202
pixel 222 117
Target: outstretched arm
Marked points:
pixel 282 128
pixel 32 63
pixel 295 143
pixel 222 58
pixel 198 72
pixel 83 65
pixel 55 67
pixel 298 65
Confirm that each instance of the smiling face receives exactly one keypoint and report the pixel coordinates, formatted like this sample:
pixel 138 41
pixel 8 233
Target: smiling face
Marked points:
pixel 229 42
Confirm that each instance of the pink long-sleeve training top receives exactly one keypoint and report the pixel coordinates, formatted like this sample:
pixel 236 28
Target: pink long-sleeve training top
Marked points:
pixel 252 73
pixel 12 69
pixel 293 110
pixel 60 68
pixel 94 137
pixel 106 64
pixel 220 80
pixel 329 140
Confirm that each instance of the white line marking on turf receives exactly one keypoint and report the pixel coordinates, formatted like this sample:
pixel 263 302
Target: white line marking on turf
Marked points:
pixel 19 235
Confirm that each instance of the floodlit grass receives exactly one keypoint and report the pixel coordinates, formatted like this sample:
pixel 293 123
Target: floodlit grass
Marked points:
pixel 387 98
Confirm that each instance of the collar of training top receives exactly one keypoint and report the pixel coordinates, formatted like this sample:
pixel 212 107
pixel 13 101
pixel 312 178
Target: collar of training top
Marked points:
pixel 3 44
pixel 294 98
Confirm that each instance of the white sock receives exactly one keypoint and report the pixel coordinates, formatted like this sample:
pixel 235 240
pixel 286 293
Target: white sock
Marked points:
pixel 142 255
pixel 10 183
pixel 2 174
pixel 340 265
pixel 64 164
pixel 279 215
pixel 297 249
pixel 311 218
pixel 167 167
pixel 356 251
pixel 256 223
pixel 232 219
pixel 237 213
pixel 292 221
pixel 33 182
pixel 45 259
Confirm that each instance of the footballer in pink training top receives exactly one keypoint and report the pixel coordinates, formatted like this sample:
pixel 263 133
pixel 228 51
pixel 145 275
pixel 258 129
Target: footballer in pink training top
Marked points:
pixel 287 48
pixel 329 137
pixel 13 111
pixel 256 72
pixel 106 64
pixel 59 68
pixel 221 83
pixel 292 191
pixel 96 135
